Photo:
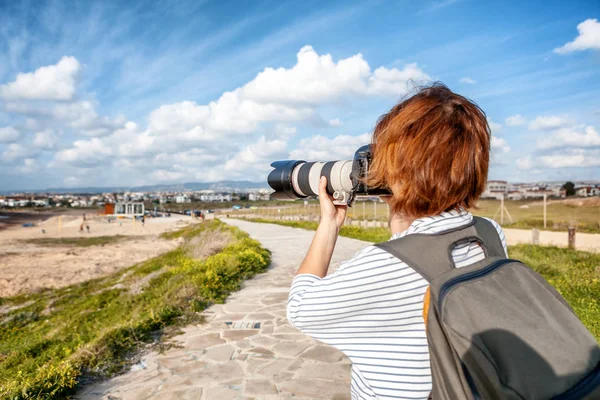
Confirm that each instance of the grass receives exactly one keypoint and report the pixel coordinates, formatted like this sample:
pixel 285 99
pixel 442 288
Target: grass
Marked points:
pixel 77 241
pixel 526 214
pixel 51 341
pixel 575 274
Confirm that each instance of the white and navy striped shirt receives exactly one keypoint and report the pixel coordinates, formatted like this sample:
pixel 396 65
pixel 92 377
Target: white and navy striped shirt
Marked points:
pixel 371 310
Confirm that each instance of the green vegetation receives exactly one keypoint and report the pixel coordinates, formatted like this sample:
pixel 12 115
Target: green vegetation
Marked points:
pixel 575 274
pixel 526 214
pixel 354 232
pixel 77 241
pixel 50 340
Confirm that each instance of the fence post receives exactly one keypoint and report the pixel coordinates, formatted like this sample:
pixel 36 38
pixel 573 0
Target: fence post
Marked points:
pixel 545 210
pixel 535 236
pixel 572 237
pixel 363 203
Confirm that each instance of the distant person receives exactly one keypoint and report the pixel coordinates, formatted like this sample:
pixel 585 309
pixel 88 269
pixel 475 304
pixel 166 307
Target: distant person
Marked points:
pixel 143 220
pixel 85 224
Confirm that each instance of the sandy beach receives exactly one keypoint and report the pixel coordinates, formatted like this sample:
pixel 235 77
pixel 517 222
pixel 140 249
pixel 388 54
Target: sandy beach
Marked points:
pixel 27 266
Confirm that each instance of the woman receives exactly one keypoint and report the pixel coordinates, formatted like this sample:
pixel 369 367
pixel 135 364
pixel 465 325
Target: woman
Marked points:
pixel 432 150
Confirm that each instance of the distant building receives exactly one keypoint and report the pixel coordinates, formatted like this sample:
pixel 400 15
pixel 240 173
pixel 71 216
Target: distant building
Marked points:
pixel 495 189
pixel 182 198
pixel 587 191
pixel 129 209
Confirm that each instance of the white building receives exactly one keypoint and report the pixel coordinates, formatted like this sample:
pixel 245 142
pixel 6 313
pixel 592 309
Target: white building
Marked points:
pixel 495 189
pixel 182 198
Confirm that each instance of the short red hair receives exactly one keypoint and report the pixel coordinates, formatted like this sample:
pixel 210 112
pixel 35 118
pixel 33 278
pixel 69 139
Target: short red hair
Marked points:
pixel 432 150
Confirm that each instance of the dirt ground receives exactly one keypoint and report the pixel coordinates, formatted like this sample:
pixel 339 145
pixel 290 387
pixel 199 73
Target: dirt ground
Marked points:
pixel 26 267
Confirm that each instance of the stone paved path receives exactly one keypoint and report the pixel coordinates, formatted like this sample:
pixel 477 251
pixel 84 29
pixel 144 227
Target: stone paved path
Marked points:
pixel 220 363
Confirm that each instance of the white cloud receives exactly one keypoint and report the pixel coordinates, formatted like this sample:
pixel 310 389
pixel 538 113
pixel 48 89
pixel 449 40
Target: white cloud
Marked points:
pixel 571 137
pixel 255 158
pixel 321 148
pixel 335 122
pixel 9 134
pixel 178 117
pixel 547 123
pixel 83 119
pixel 589 38
pixel 524 163
pixel 53 82
pixel 162 175
pixel 85 153
pixel 45 140
pixel 575 158
pixel 225 132
pixel 515 120
pixel 494 126
pixel 29 166
pixel 395 82
pixel 500 145
pixel 468 80
pixel 16 151
pixel 318 79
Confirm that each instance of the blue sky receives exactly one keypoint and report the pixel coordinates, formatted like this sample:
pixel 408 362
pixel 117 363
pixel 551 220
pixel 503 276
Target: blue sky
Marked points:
pixel 115 93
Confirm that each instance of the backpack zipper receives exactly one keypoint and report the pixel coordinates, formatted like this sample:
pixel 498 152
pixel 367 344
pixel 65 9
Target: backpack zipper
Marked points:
pixel 468 276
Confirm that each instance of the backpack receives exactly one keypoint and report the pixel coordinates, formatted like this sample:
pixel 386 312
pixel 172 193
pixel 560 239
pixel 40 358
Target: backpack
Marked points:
pixel 496 329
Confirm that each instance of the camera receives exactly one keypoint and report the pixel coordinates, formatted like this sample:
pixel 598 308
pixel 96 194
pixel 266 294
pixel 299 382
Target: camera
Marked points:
pixel 297 179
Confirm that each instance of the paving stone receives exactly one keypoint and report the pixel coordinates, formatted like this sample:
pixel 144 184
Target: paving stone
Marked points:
pixel 315 388
pixel 237 334
pixel 264 341
pixel 274 367
pixel 290 349
pixel 229 317
pixel 259 317
pixel 204 341
pixel 286 329
pixel 240 307
pixel 323 354
pixel 334 372
pixel 242 344
pixel 193 393
pixel 230 372
pixel 252 364
pixel 260 387
pixel 266 330
pixel 290 337
pixel 222 393
pixel 220 353
pixel 260 352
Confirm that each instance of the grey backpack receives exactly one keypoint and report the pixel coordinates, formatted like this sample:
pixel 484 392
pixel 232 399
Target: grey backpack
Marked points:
pixel 496 329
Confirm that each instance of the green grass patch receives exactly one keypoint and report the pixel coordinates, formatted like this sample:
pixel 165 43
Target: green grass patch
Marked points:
pixel 77 241
pixel 575 274
pixel 52 339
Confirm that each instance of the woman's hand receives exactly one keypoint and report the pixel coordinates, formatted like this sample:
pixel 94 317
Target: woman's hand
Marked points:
pixel 330 213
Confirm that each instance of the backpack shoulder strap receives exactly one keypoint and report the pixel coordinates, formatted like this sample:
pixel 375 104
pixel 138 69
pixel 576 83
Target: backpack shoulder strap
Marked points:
pixel 431 254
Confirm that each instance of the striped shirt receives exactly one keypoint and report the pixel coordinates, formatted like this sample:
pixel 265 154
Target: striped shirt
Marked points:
pixel 371 310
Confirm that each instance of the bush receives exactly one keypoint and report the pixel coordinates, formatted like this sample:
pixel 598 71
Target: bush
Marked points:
pixel 91 329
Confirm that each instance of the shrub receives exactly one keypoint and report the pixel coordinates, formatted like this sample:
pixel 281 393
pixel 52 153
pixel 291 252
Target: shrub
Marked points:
pixel 91 329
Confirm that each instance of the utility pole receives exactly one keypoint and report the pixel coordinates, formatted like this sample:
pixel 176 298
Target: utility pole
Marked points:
pixel 502 210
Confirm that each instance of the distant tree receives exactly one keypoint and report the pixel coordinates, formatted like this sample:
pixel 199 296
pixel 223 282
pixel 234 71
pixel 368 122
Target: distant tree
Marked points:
pixel 569 188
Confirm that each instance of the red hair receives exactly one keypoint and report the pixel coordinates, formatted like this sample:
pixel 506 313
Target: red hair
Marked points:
pixel 432 150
